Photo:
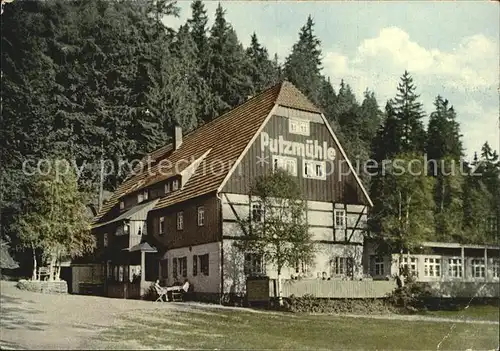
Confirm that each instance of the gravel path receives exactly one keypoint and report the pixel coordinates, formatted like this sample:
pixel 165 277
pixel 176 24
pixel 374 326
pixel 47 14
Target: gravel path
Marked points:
pixel 42 321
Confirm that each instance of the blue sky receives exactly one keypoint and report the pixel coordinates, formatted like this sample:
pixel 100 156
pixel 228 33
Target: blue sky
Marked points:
pixel 450 48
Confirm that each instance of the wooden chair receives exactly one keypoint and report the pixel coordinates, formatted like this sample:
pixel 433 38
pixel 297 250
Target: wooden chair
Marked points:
pixel 161 292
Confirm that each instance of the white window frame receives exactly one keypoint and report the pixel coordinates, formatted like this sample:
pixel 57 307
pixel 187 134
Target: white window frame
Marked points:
pixel 201 216
pixel 140 197
pixel 478 268
pixel 455 267
pixel 342 266
pixel 412 264
pixel 254 264
pixel 122 205
pixel 166 189
pixel 299 126
pixel 302 268
pixel 175 184
pixel 310 169
pixel 180 220
pixel 256 208
pixel 145 195
pixel 495 268
pixel 105 240
pixel 286 163
pixel 432 267
pixel 340 214
pixel 161 223
pixel 379 266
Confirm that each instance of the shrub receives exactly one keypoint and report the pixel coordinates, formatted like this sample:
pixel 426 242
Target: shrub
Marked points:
pixel 150 294
pixel 311 304
pixel 411 296
pixel 29 285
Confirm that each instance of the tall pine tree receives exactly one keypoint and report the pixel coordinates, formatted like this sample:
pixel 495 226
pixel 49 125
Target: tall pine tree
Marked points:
pixel 410 113
pixel 226 67
pixel 303 65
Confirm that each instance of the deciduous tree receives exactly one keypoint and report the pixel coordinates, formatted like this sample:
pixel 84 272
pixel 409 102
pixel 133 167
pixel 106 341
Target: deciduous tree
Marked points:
pixel 279 232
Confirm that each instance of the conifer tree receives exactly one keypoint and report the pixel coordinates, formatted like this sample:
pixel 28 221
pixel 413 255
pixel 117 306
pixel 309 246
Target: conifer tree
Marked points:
pixel 226 68
pixel 444 150
pixel 410 113
pixel 184 87
pixel 262 71
pixel 303 65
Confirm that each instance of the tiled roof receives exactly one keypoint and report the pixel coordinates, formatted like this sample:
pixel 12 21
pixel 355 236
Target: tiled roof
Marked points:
pixel 226 136
pixel 290 96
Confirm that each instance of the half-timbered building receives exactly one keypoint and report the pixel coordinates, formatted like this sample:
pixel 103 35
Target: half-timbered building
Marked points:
pixel 177 219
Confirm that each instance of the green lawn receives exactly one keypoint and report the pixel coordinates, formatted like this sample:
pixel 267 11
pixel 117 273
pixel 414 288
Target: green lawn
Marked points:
pixel 202 328
pixel 488 313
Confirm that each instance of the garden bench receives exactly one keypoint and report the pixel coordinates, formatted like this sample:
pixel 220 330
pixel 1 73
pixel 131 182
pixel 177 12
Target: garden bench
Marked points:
pixel 43 272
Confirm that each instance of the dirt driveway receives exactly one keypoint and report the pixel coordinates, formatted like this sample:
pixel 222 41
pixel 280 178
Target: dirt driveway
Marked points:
pixel 42 321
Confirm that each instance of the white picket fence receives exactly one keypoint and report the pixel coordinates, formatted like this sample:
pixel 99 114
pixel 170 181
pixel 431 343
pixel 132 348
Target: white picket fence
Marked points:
pixel 334 289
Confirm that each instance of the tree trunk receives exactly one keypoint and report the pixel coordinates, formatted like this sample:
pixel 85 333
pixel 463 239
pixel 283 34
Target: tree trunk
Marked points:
pixel 278 286
pixel 57 276
pixel 34 277
pixel 52 268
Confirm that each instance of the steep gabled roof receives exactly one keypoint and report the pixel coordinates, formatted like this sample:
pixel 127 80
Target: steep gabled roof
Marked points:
pixel 290 96
pixel 226 137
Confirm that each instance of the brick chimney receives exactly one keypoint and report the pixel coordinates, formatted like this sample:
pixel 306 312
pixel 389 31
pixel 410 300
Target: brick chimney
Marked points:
pixel 177 136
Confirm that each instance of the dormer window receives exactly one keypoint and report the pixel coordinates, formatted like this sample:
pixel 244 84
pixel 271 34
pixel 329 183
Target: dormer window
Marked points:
pixel 175 184
pixel 167 188
pixel 143 196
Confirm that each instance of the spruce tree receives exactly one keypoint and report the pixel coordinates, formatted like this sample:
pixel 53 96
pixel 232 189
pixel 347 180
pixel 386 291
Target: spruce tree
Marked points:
pixel 410 113
pixel 226 67
pixel 184 87
pixel 444 150
pixel 443 132
pixel 303 65
pixel 262 71
pixel 199 31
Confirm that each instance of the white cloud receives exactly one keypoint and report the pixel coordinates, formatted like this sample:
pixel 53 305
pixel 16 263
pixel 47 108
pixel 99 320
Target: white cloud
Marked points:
pixel 459 75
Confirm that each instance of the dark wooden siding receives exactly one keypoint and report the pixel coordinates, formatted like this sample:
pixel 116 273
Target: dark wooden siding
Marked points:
pixel 192 234
pixel 338 187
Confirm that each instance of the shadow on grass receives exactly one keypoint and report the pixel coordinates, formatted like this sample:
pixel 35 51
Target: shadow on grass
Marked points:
pixel 15 312
pixel 7 345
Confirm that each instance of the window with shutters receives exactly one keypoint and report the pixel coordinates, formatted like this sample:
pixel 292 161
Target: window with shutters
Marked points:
pixel 204 264
pixel 195 265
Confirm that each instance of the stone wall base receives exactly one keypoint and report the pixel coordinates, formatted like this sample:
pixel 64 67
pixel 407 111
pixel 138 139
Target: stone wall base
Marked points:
pixel 55 287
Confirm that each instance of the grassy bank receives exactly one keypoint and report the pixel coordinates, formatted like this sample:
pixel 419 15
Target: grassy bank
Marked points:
pixel 228 329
